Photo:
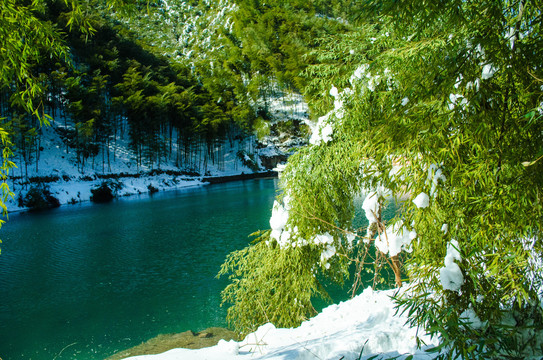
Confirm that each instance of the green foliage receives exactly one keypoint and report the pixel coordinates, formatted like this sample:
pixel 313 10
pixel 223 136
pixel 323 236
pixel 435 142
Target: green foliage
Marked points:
pixel 21 20
pixel 276 36
pixel 452 87
pixel 156 67
pixel 7 165
pixel 269 284
pixel 262 128
pixel 479 137
pixel 248 160
pixel 5 168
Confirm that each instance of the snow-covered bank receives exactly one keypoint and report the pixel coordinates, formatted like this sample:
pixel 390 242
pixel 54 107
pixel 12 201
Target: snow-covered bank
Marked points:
pixel 58 171
pixel 365 325
pixel 76 191
pixel 55 167
pixel 79 190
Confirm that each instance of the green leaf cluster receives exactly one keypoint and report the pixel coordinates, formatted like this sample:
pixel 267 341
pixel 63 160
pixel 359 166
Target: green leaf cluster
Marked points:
pixel 423 88
pixel 270 285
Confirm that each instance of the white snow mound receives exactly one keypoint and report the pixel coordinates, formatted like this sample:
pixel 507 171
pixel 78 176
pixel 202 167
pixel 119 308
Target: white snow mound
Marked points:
pixel 364 324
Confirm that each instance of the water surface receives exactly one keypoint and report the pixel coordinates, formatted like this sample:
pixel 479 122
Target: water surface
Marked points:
pixel 84 281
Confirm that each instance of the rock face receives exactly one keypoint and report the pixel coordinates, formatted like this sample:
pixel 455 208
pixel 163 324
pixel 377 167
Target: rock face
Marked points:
pixel 270 162
pixel 285 138
pixel 187 340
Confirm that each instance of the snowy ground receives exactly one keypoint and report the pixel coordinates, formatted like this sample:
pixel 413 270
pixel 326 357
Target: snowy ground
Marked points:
pixel 359 328
pixel 74 184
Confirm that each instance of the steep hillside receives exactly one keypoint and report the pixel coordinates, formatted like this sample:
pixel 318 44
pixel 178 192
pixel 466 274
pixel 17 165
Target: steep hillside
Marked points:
pixel 56 170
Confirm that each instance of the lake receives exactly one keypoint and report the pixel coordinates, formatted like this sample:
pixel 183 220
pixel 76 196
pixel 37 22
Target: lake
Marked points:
pixel 85 281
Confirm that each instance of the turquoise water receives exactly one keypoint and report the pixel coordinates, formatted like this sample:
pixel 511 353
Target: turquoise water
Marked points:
pixel 85 281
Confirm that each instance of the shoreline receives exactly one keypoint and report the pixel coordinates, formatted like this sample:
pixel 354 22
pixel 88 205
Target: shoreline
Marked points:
pixel 71 191
pixel 249 176
pixel 187 340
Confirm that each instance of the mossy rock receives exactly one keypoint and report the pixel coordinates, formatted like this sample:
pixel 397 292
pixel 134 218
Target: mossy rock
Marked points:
pixel 188 340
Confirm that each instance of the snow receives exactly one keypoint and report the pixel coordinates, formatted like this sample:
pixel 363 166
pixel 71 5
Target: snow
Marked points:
pixel 371 207
pixel 434 175
pixel 327 241
pixel 471 318
pixel 365 325
pixel 359 73
pixel 474 84
pixel 511 36
pixel 422 200
pixel 395 239
pixel 334 91
pixel 364 80
pixel 321 131
pixel 329 251
pixel 74 183
pixel 280 168
pixel 488 71
pixel 450 275
pixel 278 223
pixel 458 82
pixel 457 99
pixel 279 218
pixel 287 236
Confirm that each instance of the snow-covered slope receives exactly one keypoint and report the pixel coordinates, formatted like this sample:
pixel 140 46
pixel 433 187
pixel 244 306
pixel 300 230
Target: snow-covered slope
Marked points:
pixel 360 328
pixel 58 171
pixel 185 31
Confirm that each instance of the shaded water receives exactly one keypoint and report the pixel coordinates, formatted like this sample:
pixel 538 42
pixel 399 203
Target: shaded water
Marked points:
pixel 82 282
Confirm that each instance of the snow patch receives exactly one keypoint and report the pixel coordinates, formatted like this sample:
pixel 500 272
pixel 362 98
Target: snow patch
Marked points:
pixel 450 275
pixel 321 131
pixel 471 318
pixel 422 200
pixel 488 71
pixel 434 175
pixel 395 239
pixel 457 99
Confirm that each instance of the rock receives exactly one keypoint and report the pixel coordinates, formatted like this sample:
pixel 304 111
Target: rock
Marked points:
pixel 188 339
pixel 103 193
pixel 270 162
pixel 39 199
pixel 204 335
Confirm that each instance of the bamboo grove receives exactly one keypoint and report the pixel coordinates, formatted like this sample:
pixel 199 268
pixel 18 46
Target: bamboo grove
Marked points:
pixel 159 72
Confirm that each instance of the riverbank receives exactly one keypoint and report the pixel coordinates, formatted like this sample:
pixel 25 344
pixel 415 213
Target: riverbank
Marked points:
pixel 58 176
pixel 65 190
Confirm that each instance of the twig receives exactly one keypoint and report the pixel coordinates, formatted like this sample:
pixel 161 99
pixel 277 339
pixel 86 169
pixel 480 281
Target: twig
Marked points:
pixel 67 346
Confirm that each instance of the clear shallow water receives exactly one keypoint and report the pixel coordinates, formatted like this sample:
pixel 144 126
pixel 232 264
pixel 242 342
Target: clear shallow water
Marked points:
pixel 82 282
